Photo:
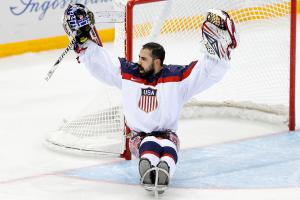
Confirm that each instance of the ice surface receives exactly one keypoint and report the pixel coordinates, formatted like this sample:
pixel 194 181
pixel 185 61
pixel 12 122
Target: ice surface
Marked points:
pixel 30 107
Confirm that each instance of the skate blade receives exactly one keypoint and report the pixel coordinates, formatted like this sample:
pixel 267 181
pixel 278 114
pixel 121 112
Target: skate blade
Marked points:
pixel 159 189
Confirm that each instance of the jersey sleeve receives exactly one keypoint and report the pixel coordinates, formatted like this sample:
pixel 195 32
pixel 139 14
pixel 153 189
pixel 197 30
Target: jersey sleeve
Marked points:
pixel 102 65
pixel 202 74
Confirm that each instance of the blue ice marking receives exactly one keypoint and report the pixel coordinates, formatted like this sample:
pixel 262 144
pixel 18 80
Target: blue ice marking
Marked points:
pixel 265 162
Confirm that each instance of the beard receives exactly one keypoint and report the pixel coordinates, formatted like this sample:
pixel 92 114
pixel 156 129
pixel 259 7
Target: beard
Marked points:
pixel 144 73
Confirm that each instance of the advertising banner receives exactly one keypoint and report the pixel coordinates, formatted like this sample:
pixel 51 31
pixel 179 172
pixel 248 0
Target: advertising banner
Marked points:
pixel 32 19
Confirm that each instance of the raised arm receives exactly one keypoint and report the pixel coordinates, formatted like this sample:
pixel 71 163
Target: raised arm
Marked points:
pixel 103 66
pixel 79 24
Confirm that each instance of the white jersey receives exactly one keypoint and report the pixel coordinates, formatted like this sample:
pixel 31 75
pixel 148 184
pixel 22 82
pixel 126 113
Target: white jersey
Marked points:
pixel 153 103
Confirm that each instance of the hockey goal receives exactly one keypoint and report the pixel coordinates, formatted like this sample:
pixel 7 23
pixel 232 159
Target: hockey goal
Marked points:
pixel 259 86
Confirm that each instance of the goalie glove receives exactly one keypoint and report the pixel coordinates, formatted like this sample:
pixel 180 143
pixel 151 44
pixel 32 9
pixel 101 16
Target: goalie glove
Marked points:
pixel 79 24
pixel 219 34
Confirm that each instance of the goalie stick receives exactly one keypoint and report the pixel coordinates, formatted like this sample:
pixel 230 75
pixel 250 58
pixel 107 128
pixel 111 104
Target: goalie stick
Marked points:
pixel 106 17
pixel 54 67
pixel 94 36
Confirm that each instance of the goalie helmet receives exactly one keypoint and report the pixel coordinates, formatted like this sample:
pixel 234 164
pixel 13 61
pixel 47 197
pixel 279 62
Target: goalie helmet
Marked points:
pixel 219 34
pixel 77 22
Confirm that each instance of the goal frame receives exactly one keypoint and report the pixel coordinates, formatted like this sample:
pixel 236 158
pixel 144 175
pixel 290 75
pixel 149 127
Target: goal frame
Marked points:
pixel 293 22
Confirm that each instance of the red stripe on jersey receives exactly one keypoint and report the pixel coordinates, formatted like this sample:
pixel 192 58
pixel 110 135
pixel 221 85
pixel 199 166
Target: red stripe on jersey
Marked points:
pixel 152 102
pixel 189 70
pixel 147 109
pixel 144 103
pixel 168 79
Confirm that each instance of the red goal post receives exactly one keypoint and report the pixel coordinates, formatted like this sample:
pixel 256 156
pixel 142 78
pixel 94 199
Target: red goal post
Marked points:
pixel 292 113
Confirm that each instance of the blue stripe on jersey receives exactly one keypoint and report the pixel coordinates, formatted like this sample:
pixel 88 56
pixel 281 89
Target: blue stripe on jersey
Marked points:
pixel 129 68
pixel 169 73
